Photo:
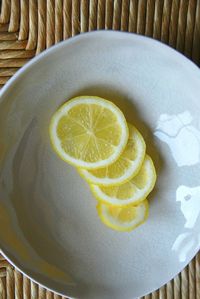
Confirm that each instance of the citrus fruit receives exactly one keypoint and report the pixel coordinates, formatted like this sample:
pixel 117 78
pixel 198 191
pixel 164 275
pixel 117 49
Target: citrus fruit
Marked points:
pixel 126 166
pixel 132 192
pixel 89 132
pixel 123 218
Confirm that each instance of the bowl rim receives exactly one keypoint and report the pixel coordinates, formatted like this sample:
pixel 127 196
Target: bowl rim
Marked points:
pixel 84 35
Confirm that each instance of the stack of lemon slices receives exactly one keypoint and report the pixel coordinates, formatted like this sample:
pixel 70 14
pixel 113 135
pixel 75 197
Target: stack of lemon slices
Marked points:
pixel 92 134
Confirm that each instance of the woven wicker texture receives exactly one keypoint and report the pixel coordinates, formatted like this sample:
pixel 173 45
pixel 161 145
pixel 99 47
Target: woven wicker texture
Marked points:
pixel 27 27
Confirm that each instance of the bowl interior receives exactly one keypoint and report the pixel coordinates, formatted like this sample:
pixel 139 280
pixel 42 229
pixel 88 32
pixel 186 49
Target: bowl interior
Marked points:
pixel 48 219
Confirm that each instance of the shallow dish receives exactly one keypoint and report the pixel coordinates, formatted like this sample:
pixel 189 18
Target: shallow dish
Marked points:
pixel 48 219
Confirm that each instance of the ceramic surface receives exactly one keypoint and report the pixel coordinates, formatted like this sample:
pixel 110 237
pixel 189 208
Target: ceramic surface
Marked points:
pixel 48 221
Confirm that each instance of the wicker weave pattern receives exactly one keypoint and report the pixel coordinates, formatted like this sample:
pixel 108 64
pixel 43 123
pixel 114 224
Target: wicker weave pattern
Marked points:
pixel 27 27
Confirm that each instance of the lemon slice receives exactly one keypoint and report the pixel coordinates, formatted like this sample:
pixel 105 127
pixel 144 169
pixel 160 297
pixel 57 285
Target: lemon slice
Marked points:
pixel 124 168
pixel 89 132
pixel 123 219
pixel 132 192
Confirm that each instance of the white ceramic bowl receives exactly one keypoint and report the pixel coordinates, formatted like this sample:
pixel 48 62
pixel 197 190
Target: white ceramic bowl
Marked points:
pixel 48 222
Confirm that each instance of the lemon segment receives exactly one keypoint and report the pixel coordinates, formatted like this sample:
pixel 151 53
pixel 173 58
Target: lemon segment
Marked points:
pixel 89 132
pixel 124 168
pixel 132 192
pixel 123 218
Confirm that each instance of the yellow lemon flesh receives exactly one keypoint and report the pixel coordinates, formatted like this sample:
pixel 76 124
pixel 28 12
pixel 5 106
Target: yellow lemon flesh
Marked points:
pixel 132 192
pixel 89 132
pixel 123 218
pixel 124 168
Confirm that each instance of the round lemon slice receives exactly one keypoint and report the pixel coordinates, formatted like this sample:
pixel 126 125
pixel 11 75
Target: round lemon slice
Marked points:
pixel 132 192
pixel 124 168
pixel 125 218
pixel 89 132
